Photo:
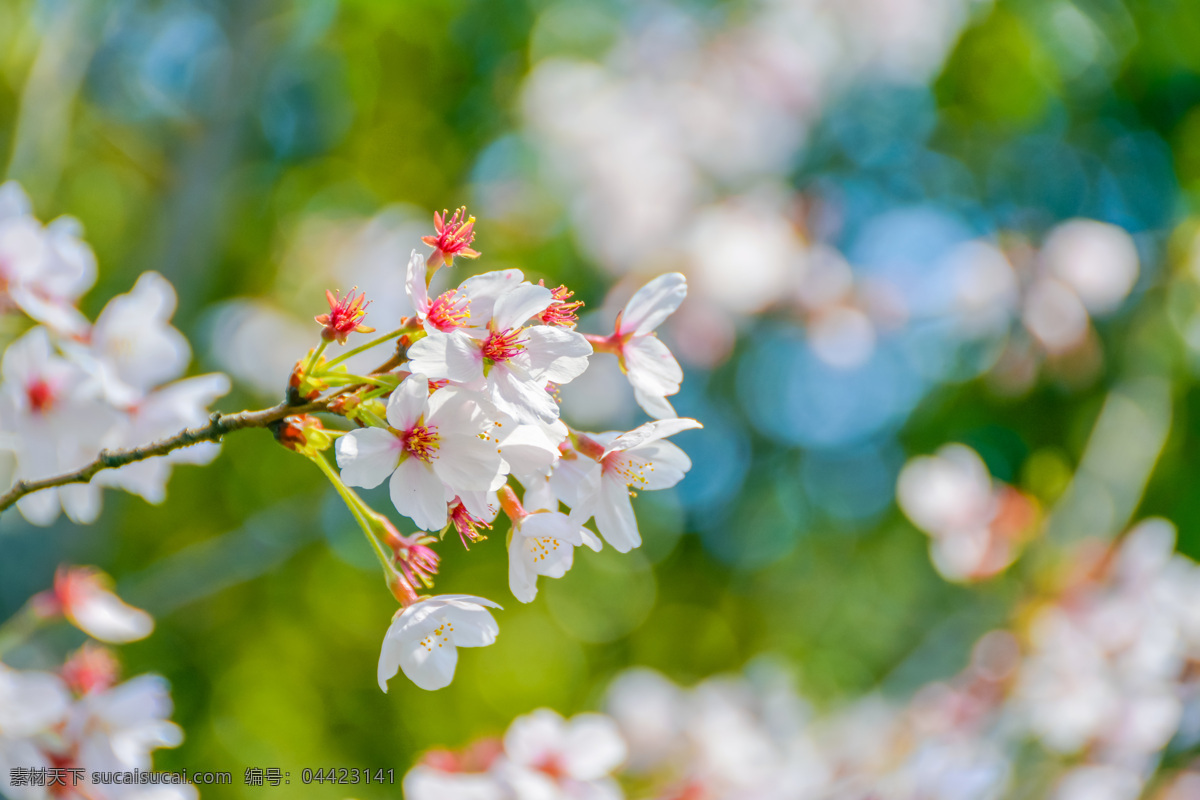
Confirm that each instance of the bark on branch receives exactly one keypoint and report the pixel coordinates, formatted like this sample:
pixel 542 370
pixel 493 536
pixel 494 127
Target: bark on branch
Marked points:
pixel 219 425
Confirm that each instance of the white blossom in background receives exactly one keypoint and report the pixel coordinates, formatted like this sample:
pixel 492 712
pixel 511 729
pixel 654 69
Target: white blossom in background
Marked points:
pixel 975 525
pixel 71 388
pixel 85 596
pixel 548 757
pixel 45 270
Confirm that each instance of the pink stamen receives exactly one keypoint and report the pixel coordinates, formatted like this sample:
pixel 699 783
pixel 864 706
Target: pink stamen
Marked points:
pixel 503 345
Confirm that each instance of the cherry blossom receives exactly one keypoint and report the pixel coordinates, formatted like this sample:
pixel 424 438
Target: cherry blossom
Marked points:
pixel 56 421
pixel 436 447
pixel 44 270
pixel 543 542
pixel 344 317
pixel 647 363
pixel 549 757
pixel 454 236
pixel 514 362
pixel 610 463
pixel 424 638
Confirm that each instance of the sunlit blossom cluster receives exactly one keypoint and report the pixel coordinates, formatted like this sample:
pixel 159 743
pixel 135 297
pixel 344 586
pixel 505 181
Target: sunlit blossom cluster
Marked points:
pixel 59 728
pixel 471 415
pixel 1081 699
pixel 70 388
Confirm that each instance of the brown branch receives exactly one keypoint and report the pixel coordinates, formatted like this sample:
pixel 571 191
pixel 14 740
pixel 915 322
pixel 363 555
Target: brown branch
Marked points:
pixel 219 425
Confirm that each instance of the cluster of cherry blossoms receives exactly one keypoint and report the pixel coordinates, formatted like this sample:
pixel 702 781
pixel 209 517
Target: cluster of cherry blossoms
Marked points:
pixel 541 756
pixel 1091 694
pixel 70 388
pixel 461 420
pixel 64 734
pixel 462 423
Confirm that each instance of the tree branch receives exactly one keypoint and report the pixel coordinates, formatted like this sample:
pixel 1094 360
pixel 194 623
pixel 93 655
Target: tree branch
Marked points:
pixel 219 425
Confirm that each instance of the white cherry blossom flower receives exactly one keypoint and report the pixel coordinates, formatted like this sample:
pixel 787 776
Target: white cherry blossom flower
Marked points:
pixel 647 363
pixel 436 448
pixel 56 422
pixel 512 362
pixel 163 412
pixel 543 542
pixel 133 345
pixel 552 758
pixel 611 463
pixel 44 269
pixel 424 638
pixel 117 728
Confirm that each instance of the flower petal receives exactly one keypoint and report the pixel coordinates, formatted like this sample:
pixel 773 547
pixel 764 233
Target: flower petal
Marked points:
pixel 556 354
pixel 518 304
pixel 431 667
pixel 650 432
pixel 654 405
pixel 592 747
pixel 367 456
pixel 614 516
pixel 650 366
pixel 414 284
pixel 407 403
pixel 418 494
pixel 522 578
pixel 450 356
pixel 468 463
pixel 653 303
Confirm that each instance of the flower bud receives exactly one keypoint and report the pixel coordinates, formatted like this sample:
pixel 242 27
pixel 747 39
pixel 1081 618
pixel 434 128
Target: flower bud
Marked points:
pixel 303 433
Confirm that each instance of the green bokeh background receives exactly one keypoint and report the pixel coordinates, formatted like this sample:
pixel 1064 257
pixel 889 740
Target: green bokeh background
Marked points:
pixel 269 625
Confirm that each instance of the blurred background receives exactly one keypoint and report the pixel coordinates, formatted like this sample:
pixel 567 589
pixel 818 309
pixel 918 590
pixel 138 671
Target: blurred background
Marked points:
pixel 906 223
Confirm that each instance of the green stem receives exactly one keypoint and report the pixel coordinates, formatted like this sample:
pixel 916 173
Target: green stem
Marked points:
pixel 19 627
pixel 312 361
pixel 362 348
pixel 358 509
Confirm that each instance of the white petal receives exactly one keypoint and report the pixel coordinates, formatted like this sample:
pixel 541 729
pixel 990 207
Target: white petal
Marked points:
pixel 553 525
pixel 429 668
pixel 40 508
pixel 655 406
pixel 526 401
pixel 451 356
pixel 419 494
pixel 81 501
pixel 367 456
pixel 650 366
pixel 614 516
pixel 407 403
pixel 104 616
pixel 653 303
pixel 518 304
pixel 667 464
pixel 529 450
pixel 529 739
pixel 473 626
pixel 522 579
pixel 483 291
pixel 468 463
pixel 414 284
pixel 556 354
pixel 651 431
pixel 593 747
